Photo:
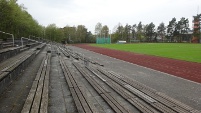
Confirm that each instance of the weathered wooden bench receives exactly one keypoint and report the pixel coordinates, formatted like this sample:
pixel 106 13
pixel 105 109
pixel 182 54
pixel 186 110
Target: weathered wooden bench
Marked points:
pixel 39 48
pixel 8 52
pixel 104 93
pixel 152 98
pixel 64 52
pixel 12 51
pixel 78 92
pixel 10 68
pixel 37 100
pixel 31 44
pixel 7 44
pixel 28 46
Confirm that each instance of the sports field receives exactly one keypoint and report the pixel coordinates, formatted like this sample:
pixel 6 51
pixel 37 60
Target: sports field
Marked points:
pixel 181 51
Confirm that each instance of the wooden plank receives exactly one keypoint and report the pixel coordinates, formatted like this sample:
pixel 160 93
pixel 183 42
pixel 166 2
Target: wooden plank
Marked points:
pixel 42 77
pixel 68 79
pixel 66 75
pixel 7 68
pixel 120 90
pixel 89 100
pixel 73 83
pixel 82 100
pixel 115 108
pixel 44 101
pixel 28 103
pixel 47 76
pixel 37 99
pixel 116 103
pixel 40 69
pixel 142 106
pixel 195 111
pixel 48 68
pixel 109 99
pixel 142 95
pixel 151 93
pixel 139 106
pixel 162 108
pixel 188 108
pixel 77 102
pixel 98 89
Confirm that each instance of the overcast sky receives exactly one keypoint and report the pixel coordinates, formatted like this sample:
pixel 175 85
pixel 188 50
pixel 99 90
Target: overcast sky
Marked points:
pixel 110 12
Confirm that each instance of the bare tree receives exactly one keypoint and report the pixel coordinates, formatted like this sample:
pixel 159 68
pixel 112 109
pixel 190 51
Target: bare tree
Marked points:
pixel 98 29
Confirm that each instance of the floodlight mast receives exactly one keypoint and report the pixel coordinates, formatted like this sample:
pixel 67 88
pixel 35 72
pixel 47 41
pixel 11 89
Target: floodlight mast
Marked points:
pixel 11 35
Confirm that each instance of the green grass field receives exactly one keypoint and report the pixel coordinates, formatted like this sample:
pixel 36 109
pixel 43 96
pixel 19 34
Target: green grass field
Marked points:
pixel 181 51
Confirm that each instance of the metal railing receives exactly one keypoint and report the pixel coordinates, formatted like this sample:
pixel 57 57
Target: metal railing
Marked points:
pixel 9 34
pixel 22 42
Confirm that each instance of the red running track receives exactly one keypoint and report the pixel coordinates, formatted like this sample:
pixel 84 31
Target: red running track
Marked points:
pixel 184 69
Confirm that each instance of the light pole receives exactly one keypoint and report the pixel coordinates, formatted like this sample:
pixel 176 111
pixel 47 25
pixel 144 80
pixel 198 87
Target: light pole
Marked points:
pixel 11 35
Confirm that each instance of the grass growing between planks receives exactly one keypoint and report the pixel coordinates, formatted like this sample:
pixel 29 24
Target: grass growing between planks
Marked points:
pixel 181 51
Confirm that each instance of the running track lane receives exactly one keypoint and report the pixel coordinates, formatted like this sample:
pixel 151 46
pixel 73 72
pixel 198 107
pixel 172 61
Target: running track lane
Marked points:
pixel 183 69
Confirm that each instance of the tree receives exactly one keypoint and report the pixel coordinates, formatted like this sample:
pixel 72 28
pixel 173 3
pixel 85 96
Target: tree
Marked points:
pixel 90 38
pixel 105 31
pixel 133 30
pixel 127 30
pixel 176 30
pixel 139 31
pixel 150 32
pixel 171 31
pixel 161 31
pixel 50 32
pixel 81 33
pixel 16 20
pixel 117 34
pixel 98 29
pixel 120 31
pixel 196 28
pixel 182 28
pixel 70 33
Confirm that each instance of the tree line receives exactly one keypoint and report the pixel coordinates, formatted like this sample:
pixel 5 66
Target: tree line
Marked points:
pixel 175 31
pixel 15 19
pixel 68 34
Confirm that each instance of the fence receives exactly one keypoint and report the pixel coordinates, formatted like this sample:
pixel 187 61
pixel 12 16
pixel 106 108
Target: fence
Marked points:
pixel 103 40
